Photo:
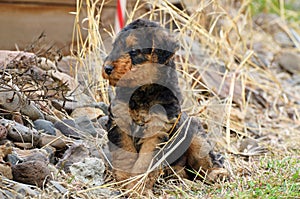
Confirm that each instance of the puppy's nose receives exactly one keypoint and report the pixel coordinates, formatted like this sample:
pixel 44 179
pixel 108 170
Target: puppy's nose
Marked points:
pixel 108 69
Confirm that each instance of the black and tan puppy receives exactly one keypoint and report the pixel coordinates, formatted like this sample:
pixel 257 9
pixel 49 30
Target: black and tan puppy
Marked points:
pixel 146 128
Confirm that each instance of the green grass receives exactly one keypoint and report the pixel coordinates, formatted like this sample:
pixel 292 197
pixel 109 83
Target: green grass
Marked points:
pixel 280 7
pixel 266 177
pixel 272 178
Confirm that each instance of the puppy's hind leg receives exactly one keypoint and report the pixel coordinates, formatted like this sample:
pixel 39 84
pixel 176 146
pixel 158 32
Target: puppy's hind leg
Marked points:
pixel 202 159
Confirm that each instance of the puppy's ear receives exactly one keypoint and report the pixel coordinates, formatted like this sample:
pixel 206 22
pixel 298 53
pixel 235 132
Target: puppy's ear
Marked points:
pixel 165 46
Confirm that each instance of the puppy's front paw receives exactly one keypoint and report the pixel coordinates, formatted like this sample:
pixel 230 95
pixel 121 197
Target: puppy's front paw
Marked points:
pixel 217 174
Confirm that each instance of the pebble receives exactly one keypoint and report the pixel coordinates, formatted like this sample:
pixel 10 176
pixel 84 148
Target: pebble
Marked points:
pixel 10 100
pixel 272 24
pixel 67 65
pixel 90 171
pixel 74 153
pixel 37 155
pixel 31 172
pixel 45 125
pixel 13 159
pixel 246 144
pixel 32 111
pixel 289 61
pixel 5 170
pixel 5 149
pixel 103 121
pixel 20 133
pixel 85 125
pixel 46 64
pixel 102 106
pixel 76 100
pixel 24 145
pixel 59 187
pixel 67 127
pixel 91 112
pixel 57 142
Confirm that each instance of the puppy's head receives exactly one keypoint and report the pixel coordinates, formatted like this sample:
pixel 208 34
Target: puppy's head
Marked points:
pixel 140 46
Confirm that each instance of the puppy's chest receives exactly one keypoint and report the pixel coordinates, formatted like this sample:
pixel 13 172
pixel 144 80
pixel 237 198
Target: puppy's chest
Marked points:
pixel 152 110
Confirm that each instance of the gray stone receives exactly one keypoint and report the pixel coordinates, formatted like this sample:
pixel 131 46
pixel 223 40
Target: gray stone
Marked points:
pixel 68 128
pixel 74 153
pixel 13 159
pixel 10 100
pixel 32 111
pixel 102 106
pixel 85 125
pixel 89 171
pixel 44 125
pixel 289 61
pixel 103 121
pixel 19 133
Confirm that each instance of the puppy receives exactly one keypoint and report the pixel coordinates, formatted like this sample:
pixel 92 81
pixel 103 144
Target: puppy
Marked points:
pixel 147 130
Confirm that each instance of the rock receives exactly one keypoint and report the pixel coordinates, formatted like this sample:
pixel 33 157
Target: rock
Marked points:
pixel 289 61
pixel 76 100
pixel 67 127
pixel 100 150
pixel 24 145
pixel 32 111
pixel 5 170
pixel 43 155
pixel 89 171
pixel 265 48
pixel 250 147
pixel 85 125
pixel 20 190
pixel 58 142
pixel 78 128
pixel 102 106
pixel 17 118
pixel 103 121
pixel 51 155
pixel 45 125
pixel 5 149
pixel 59 115
pixel 3 132
pixel 51 118
pixel 75 153
pixel 32 172
pixel 13 159
pixel 67 65
pixel 71 82
pixel 11 100
pixel 222 85
pixel 20 133
pixel 17 190
pixel 37 155
pixel 91 112
pixel 46 64
pixel 59 187
pixel 276 27
pixel 6 57
pixel 246 144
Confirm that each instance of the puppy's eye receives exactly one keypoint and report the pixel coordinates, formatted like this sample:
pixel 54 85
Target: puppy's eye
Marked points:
pixel 133 52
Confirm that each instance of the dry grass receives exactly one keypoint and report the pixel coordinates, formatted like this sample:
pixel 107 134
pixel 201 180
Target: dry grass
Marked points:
pixel 249 100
